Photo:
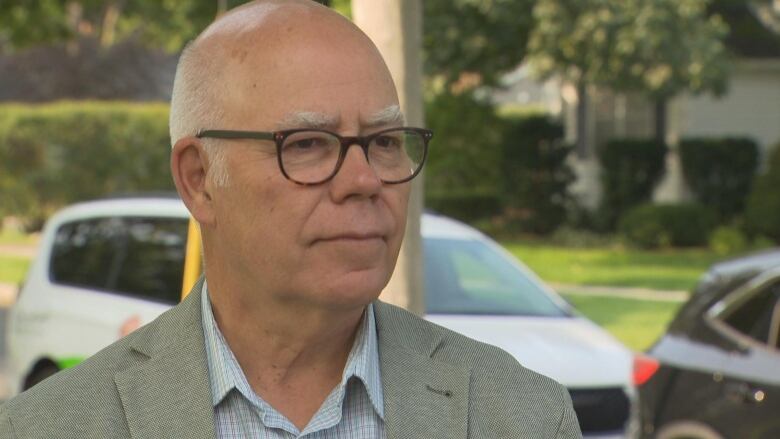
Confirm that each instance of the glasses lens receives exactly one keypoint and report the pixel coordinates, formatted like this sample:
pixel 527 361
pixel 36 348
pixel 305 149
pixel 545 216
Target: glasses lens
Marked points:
pixel 310 156
pixel 396 155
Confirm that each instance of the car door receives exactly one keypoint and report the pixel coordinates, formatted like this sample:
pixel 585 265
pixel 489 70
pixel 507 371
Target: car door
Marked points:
pixel 750 380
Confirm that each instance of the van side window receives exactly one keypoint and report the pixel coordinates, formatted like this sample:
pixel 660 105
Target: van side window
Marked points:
pixel 139 257
pixel 757 316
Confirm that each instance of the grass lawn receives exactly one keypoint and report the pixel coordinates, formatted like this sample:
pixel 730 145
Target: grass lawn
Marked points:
pixel 636 323
pixel 9 236
pixel 663 270
pixel 13 269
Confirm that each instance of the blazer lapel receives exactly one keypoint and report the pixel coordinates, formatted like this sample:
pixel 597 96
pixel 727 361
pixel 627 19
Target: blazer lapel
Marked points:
pixel 423 397
pixel 167 393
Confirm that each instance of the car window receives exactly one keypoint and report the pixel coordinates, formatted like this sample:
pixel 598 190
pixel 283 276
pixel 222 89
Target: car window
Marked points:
pixel 140 257
pixel 757 316
pixel 471 277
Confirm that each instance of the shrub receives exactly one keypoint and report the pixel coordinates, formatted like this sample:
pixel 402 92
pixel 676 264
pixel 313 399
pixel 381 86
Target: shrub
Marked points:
pixel 463 156
pixel 663 225
pixel 720 171
pixel 727 240
pixel 465 206
pixel 630 170
pixel 56 154
pixel 534 172
pixel 762 214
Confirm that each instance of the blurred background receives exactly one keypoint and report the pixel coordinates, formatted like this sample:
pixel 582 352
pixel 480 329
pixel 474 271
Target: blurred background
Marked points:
pixel 619 148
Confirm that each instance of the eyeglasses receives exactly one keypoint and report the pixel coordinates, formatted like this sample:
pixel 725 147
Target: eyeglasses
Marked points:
pixel 311 156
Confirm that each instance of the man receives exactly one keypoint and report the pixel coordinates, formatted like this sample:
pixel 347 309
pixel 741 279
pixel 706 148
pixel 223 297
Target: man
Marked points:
pixel 290 151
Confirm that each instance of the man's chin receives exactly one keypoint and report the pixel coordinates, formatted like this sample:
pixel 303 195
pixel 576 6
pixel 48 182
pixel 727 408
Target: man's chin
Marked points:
pixel 353 289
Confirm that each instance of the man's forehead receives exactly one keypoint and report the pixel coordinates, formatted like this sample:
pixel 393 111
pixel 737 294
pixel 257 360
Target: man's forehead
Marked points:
pixel 390 115
pixel 254 16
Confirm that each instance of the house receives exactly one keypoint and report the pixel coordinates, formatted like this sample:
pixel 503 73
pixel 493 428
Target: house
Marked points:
pixel 749 108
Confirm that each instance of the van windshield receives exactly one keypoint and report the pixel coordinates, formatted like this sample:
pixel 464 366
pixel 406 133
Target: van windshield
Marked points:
pixel 471 277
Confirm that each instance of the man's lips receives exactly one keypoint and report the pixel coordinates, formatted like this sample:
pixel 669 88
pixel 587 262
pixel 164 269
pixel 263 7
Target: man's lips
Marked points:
pixel 352 236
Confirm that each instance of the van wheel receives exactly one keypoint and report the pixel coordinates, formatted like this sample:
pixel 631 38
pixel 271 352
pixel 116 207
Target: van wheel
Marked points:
pixel 40 372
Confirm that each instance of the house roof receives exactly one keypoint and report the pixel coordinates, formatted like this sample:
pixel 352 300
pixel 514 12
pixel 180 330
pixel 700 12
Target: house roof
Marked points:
pixel 748 36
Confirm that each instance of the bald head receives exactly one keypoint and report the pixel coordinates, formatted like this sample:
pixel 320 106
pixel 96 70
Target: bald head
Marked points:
pixel 240 64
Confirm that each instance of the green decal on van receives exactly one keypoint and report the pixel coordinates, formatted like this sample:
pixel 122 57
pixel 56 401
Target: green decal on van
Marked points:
pixel 65 363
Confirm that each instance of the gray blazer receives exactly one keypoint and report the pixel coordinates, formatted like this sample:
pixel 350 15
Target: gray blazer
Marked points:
pixel 154 384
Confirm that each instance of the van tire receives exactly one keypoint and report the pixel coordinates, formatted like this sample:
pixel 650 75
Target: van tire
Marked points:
pixel 40 372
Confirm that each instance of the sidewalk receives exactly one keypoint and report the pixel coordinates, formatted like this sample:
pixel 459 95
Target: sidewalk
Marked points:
pixel 622 292
pixel 7 295
pixel 19 250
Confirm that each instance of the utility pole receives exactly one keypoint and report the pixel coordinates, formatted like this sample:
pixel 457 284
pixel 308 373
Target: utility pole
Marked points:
pixel 395 26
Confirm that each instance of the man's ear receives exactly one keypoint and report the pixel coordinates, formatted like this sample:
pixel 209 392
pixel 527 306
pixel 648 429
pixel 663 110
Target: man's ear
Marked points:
pixel 189 166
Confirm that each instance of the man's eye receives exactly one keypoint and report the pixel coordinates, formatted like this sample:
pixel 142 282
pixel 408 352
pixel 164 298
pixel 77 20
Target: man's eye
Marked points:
pixel 388 141
pixel 307 143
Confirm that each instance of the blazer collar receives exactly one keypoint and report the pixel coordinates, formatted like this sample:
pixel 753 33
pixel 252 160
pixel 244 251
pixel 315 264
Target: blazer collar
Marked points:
pixel 424 397
pixel 168 394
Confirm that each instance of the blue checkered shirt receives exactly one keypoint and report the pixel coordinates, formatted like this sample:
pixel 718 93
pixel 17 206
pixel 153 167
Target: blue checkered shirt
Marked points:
pixel 353 410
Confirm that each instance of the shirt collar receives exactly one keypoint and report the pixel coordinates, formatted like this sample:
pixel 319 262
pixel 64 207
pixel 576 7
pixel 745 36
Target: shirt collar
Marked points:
pixel 225 374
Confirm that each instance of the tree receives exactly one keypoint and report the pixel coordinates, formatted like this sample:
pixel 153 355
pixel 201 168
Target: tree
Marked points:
pixel 575 40
pixel 472 42
pixel 165 24
pixel 670 47
pixel 657 47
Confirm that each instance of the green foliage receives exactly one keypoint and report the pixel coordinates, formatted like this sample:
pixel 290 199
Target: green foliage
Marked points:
pixel 728 240
pixel 664 225
pixel 720 171
pixel 481 37
pixel 535 175
pixel 659 47
pixel 574 39
pixel 466 206
pixel 630 170
pixel 56 154
pixel 163 23
pixel 463 157
pixel 762 214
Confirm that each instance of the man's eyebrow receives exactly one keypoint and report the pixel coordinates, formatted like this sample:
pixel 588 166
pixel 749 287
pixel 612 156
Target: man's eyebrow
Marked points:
pixel 308 119
pixel 387 116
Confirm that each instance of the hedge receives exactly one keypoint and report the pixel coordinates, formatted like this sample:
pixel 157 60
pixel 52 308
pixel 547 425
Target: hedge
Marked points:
pixel 463 155
pixel 762 215
pixel 720 171
pixel 56 154
pixel 534 173
pixel 469 207
pixel 630 170
pixel 665 225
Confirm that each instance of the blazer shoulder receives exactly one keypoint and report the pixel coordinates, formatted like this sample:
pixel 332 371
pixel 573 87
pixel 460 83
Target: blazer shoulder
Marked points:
pixel 503 393
pixel 85 398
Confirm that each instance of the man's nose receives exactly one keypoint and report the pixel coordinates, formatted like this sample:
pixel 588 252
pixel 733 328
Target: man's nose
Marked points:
pixel 356 176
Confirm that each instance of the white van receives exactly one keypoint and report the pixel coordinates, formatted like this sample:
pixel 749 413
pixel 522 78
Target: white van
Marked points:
pixel 106 266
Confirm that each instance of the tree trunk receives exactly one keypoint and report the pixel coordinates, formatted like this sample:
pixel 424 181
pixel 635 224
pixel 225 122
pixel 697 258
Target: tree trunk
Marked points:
pixel 222 7
pixel 660 120
pixel 395 26
pixel 582 122
pixel 110 19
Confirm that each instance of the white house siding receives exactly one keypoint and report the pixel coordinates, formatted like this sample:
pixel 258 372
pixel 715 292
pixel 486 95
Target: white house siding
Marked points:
pixel 751 107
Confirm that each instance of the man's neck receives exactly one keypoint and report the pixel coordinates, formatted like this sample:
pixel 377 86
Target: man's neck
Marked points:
pixel 292 356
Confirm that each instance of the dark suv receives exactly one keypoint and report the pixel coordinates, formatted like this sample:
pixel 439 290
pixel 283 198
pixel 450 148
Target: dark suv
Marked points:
pixel 719 362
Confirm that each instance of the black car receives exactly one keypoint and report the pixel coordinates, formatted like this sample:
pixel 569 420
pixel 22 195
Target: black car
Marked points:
pixel 718 365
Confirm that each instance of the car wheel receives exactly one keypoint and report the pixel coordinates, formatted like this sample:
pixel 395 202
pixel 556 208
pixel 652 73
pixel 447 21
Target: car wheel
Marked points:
pixel 687 430
pixel 40 372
